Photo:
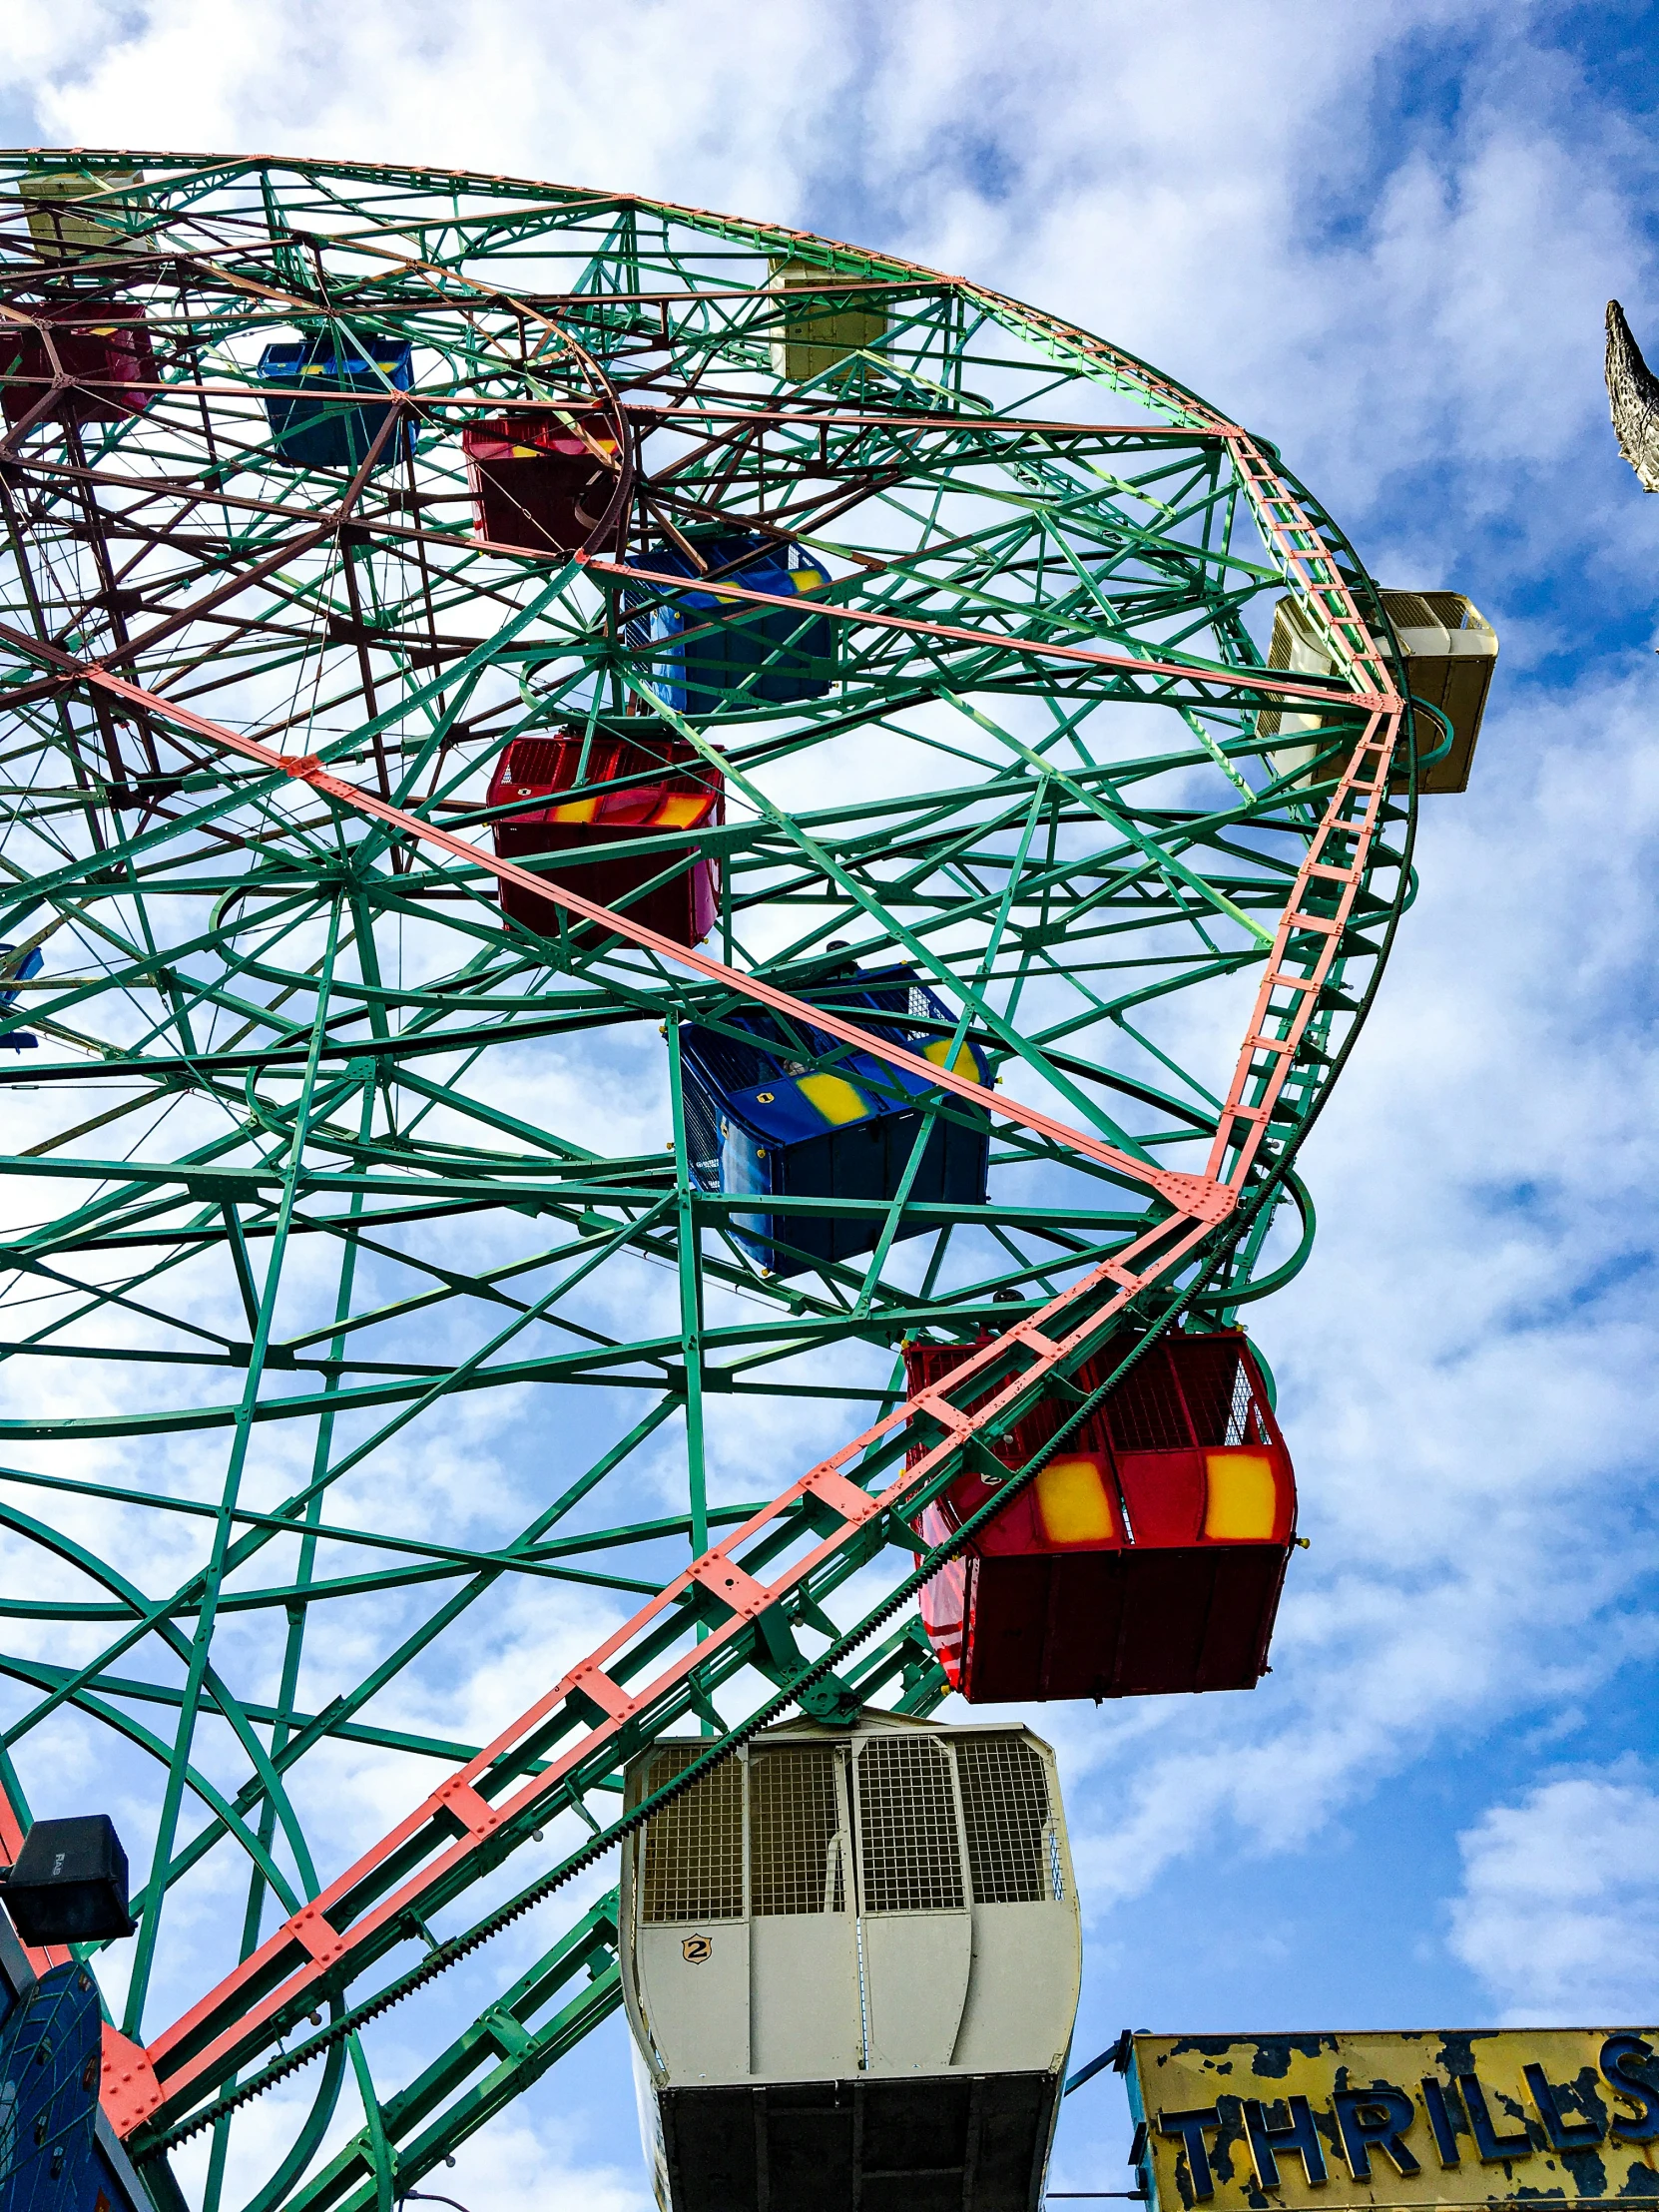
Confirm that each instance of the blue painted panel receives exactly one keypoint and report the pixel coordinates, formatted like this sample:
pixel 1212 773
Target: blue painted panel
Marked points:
pixel 50 2048
pixel 19 1040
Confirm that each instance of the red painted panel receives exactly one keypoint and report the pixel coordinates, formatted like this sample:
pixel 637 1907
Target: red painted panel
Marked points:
pixel 1085 1626
pixel 944 1602
pixel 1007 1636
pixel 103 344
pixel 1249 1578
pixel 1165 1493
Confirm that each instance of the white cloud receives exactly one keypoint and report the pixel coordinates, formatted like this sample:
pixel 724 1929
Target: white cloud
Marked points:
pixel 492 2168
pixel 1559 1908
pixel 43 38
pixel 635 97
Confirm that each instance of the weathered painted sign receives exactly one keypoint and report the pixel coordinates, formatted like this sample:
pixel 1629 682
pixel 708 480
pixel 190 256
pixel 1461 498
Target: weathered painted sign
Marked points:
pixel 1404 2119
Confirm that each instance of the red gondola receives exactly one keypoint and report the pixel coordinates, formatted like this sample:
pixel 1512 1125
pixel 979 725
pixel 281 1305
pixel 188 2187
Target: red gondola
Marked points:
pixel 1148 1554
pixel 660 785
pixel 103 344
pixel 540 484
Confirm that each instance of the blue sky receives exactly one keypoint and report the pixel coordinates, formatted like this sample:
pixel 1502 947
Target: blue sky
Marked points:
pixel 1384 237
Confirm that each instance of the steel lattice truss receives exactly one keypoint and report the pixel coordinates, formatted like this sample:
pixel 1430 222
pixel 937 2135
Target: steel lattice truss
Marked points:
pixel 378 1370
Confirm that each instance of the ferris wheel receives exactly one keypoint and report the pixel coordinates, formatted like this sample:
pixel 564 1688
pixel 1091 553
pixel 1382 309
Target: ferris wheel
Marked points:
pixel 665 908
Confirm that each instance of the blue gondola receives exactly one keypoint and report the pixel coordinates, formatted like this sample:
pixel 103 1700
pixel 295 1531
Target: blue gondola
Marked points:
pixel 18 1040
pixel 318 432
pixel 735 659
pixel 798 1114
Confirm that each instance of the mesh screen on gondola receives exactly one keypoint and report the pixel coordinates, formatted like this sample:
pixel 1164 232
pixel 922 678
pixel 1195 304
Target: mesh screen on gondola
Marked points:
pixel 794 1818
pixel 1005 1809
pixel 693 1858
pixel 536 759
pixel 910 1858
pixel 702 1135
pixel 1208 1381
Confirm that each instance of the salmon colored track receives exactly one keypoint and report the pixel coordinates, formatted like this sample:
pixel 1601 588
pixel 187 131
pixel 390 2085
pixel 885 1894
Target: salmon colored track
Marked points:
pixel 953 634
pixel 309 1952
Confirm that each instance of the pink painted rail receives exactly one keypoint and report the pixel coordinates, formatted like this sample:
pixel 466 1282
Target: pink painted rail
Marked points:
pixel 310 1950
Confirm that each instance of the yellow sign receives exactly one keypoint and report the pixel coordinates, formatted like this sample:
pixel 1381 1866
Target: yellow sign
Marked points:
pixel 1570 2113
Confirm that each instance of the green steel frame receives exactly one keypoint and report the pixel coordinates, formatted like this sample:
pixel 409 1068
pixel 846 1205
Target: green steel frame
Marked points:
pixel 374 1349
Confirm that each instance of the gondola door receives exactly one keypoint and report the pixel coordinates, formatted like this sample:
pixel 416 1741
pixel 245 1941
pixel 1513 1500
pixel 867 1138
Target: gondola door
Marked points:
pixel 804 2016
pixel 915 1927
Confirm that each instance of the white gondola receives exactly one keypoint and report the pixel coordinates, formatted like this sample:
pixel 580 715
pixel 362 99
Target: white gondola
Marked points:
pixel 1450 651
pixel 851 1957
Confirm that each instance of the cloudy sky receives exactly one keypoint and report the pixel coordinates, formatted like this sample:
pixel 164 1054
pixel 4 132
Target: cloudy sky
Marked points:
pixel 1385 238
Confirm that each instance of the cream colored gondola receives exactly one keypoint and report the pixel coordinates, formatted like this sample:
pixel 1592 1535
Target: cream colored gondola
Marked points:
pixel 1450 651
pixel 850 1959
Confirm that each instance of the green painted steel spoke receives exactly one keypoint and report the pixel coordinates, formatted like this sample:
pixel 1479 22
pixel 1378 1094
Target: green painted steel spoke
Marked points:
pixel 377 1342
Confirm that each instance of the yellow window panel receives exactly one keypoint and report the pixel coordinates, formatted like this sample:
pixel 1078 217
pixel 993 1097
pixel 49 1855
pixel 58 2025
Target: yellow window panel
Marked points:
pixel 1244 1499
pixel 963 1064
pixel 678 809
pixel 1071 1497
pixel 814 336
pixel 835 1097
pixel 576 809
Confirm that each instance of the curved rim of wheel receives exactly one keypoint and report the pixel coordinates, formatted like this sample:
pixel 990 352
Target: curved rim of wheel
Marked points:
pixel 972 670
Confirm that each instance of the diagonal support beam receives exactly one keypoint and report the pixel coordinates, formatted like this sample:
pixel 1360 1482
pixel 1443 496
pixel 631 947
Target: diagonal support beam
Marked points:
pixel 1188 1193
